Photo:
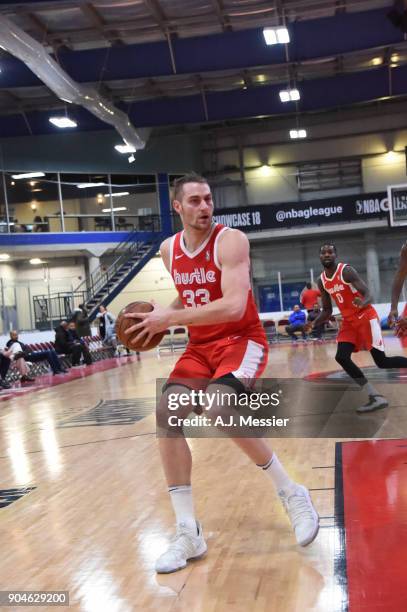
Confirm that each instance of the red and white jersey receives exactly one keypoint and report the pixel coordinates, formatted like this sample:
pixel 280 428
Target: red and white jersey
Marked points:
pixel 197 277
pixel 343 294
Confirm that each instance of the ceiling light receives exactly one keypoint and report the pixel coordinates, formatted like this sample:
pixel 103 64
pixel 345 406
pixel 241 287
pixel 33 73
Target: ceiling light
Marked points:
pixel 86 185
pixel 4 256
pixel 33 183
pixel 27 175
pixel 118 194
pixel 33 206
pixel 12 183
pixel 394 57
pixel 261 78
pixel 289 95
pixel 35 261
pixel 131 159
pixel 119 208
pixel 391 157
pixel 298 134
pixel 275 36
pixel 377 61
pixel 265 170
pixel 125 148
pixel 63 122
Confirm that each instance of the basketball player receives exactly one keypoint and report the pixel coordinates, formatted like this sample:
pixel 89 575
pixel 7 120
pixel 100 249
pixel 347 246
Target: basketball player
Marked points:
pixel 360 328
pixel 401 324
pixel 209 264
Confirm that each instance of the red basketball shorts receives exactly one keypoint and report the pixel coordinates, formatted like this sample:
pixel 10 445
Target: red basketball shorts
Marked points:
pixel 363 331
pixel 241 356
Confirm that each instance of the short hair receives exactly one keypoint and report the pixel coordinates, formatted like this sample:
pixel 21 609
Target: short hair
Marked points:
pixel 190 177
pixel 308 285
pixel 330 245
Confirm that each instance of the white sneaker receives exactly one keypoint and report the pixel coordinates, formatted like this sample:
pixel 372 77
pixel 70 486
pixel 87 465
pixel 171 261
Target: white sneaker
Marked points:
pixel 376 402
pixel 184 546
pixel 302 514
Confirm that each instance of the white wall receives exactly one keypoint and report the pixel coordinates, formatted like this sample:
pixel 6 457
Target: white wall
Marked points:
pixel 153 282
pixel 364 133
pixel 383 170
pixel 23 281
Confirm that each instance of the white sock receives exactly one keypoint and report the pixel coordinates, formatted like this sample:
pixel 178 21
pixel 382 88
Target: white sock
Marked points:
pixel 183 505
pixel 278 475
pixel 370 389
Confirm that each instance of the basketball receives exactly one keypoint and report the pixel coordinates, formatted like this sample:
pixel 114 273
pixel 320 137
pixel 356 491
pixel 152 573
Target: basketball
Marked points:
pixel 122 324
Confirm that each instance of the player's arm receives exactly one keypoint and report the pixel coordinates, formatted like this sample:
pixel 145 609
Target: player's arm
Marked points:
pixel 397 286
pixel 326 311
pixel 166 257
pixel 350 275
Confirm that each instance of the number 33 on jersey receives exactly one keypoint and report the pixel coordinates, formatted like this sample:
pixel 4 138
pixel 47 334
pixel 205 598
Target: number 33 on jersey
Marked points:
pixel 197 277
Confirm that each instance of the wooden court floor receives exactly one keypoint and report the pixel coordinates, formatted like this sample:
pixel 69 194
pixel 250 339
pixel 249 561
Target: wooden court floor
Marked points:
pixel 84 506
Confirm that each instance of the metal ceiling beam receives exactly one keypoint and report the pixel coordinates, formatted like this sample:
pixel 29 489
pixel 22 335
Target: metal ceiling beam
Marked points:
pixel 153 88
pixel 100 25
pixel 340 7
pixel 157 13
pixel 10 97
pixel 220 13
pixel 38 27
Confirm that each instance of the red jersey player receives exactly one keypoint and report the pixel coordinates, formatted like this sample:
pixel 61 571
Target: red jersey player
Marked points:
pixel 398 281
pixel 209 264
pixel 360 328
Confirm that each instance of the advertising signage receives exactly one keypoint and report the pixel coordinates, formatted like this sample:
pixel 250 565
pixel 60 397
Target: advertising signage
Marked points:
pixel 360 207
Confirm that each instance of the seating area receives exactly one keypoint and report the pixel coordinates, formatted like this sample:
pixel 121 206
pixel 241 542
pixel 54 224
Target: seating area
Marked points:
pixel 275 329
pixel 94 343
pixel 175 339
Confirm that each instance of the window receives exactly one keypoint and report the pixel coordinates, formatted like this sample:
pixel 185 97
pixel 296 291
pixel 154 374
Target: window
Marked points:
pixel 335 174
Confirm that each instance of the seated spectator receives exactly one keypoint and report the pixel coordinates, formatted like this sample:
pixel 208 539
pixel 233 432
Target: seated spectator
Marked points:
pixel 17 355
pixel 312 315
pixel 67 342
pixel 107 327
pixel 5 361
pixel 65 345
pixel 74 335
pixel 297 323
pixel 81 320
pixel 22 351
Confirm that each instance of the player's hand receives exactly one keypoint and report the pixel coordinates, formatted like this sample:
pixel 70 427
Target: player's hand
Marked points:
pixel 392 318
pixel 152 323
pixel 358 302
pixel 401 328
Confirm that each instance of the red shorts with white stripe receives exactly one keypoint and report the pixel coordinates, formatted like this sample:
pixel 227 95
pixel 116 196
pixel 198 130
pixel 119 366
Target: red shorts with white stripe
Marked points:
pixel 363 331
pixel 244 357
